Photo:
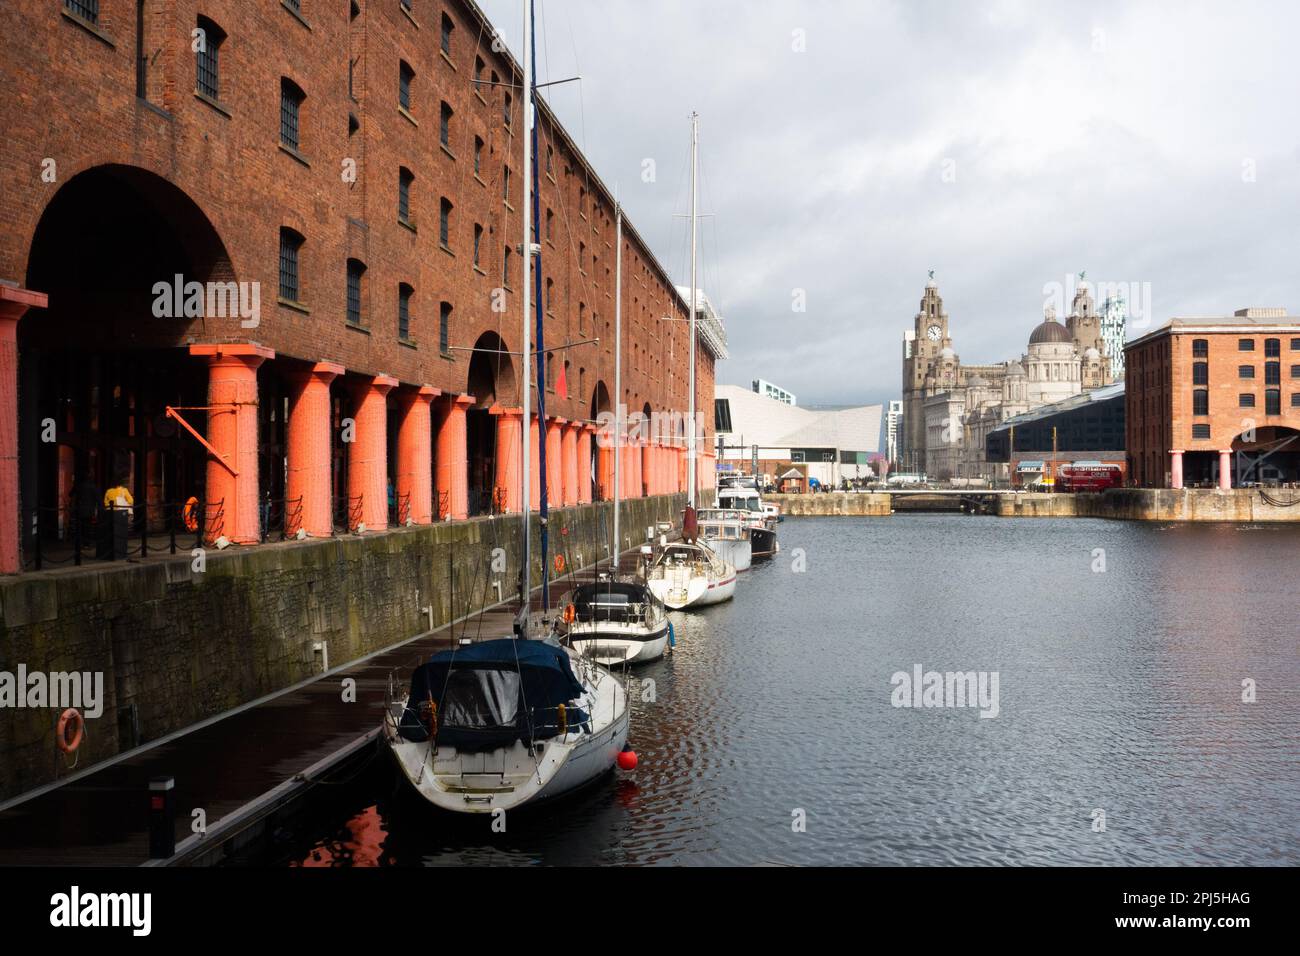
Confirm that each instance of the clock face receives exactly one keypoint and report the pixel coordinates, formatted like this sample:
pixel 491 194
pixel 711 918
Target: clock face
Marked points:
pixel 934 332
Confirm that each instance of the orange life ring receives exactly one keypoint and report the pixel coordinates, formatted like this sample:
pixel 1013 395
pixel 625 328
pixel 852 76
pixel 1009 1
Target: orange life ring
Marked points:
pixel 570 613
pixel 70 719
pixel 190 514
pixel 559 564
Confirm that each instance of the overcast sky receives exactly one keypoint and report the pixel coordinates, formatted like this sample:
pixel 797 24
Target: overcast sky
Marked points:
pixel 1006 145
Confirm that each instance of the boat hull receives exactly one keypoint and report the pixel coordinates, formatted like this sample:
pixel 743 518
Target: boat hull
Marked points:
pixel 763 543
pixel 736 552
pixel 611 644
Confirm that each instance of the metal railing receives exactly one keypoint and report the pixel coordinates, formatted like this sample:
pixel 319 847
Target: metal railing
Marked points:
pixel 347 513
pixel 282 516
pixel 63 536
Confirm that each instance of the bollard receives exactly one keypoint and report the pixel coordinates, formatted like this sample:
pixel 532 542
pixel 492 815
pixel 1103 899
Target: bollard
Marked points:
pixel 162 818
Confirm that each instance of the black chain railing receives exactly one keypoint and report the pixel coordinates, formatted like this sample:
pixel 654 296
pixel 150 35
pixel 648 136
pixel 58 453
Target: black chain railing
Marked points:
pixel 64 536
pixel 347 511
pixel 444 505
pixel 280 517
pixel 399 511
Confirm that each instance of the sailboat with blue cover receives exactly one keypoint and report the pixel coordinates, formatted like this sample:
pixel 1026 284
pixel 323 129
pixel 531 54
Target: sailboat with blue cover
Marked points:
pixel 503 723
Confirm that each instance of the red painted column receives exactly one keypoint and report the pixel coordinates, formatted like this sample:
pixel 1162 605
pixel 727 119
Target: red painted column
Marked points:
pixel 569 452
pixel 307 474
pixel 453 457
pixel 605 477
pixel 14 303
pixel 1175 469
pixel 509 470
pixel 584 433
pixel 232 430
pixel 681 469
pixel 555 462
pixel 634 458
pixel 647 468
pixel 368 452
pixel 1225 470
pixel 415 454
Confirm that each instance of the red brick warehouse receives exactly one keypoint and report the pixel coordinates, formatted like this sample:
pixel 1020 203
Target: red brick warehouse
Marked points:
pixel 354 170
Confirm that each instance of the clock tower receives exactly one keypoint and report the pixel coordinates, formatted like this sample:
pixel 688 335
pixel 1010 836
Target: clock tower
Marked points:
pixel 922 345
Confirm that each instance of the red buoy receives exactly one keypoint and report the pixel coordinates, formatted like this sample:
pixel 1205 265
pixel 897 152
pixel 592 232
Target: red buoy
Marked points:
pixel 627 758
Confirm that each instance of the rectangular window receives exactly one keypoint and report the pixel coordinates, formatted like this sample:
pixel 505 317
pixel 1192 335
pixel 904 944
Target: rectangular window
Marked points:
pixel 1245 345
pixel 1245 371
pixel 478 156
pixel 355 271
pixel 404 180
pixel 1295 345
pixel 1246 400
pixel 444 126
pixel 506 105
pixel 444 43
pixel 444 328
pixel 291 98
pixel 404 77
pixel 404 312
pixel 1200 348
pixel 290 244
pixel 478 241
pixel 88 10
pixel 1201 373
pixel 550 226
pixel 505 183
pixel 1200 402
pixel 1272 348
pixel 1272 373
pixel 1295 399
pixel 505 268
pixel 1273 401
pixel 1200 432
pixel 444 223
pixel 206 58
pixel 478 74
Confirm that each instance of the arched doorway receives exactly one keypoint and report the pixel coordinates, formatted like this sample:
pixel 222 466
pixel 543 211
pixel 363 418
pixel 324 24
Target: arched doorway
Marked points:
pixel 1270 457
pixel 98 368
pixel 492 382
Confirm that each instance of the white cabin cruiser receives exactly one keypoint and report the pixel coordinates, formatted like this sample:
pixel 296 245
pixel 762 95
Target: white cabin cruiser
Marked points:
pixel 727 533
pixel 744 497
pixel 686 574
pixel 616 622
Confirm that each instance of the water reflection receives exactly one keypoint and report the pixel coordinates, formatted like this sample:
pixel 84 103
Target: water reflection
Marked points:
pixel 1120 691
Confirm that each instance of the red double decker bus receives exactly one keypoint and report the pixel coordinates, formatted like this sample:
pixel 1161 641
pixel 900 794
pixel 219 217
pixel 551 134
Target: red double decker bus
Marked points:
pixel 1092 476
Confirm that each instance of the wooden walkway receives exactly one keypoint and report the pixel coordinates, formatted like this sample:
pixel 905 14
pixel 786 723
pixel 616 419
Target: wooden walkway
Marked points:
pixel 240 767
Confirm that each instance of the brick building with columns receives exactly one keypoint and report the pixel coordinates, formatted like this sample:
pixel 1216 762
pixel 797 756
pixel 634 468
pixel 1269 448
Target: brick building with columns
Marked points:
pixel 267 256
pixel 1215 402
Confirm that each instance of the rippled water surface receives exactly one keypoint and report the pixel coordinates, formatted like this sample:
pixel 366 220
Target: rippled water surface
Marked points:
pixel 1119 691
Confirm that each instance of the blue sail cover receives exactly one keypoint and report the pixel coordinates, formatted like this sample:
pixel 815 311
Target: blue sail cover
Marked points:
pixel 493 693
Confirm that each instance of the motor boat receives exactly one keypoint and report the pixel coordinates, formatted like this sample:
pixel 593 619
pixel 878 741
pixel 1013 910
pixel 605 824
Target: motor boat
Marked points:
pixel 740 496
pixel 686 574
pixel 497 724
pixel 615 622
pixel 727 533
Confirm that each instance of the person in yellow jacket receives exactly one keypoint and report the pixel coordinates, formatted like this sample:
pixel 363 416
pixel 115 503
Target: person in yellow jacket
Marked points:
pixel 119 496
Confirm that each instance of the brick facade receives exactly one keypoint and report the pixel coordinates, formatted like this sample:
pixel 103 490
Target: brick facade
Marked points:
pixel 1171 443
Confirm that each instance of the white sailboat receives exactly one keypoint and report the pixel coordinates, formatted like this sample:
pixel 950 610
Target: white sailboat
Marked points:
pixel 499 724
pixel 688 573
pixel 726 531
pixel 617 619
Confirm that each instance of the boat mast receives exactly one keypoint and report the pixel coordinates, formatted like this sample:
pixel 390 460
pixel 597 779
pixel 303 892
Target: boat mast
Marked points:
pixel 534 246
pixel 690 474
pixel 618 367
pixel 525 578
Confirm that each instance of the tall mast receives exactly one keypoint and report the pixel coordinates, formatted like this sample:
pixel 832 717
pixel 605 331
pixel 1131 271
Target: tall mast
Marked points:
pixel 690 470
pixel 535 248
pixel 525 333
pixel 618 365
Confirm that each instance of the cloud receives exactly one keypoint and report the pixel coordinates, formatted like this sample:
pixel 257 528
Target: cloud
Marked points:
pixel 1113 137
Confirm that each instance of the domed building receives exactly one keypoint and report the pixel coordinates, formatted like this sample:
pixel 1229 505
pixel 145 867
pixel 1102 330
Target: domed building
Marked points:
pixel 950 408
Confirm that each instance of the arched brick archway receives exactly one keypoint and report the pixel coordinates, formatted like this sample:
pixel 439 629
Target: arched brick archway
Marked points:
pixel 491 423
pixel 100 365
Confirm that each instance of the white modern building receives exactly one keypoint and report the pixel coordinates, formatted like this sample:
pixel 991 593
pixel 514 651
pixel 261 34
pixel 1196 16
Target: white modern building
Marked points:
pixel 833 443
pixel 763 387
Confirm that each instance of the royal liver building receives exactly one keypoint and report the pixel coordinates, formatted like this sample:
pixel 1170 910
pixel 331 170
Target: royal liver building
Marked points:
pixel 949 408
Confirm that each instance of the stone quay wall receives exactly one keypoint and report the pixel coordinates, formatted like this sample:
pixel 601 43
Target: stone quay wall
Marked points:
pixel 176 646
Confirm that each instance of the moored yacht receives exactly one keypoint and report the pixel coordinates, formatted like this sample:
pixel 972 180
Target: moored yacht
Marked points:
pixel 744 497
pixel 615 622
pixel 727 533
pixel 686 574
